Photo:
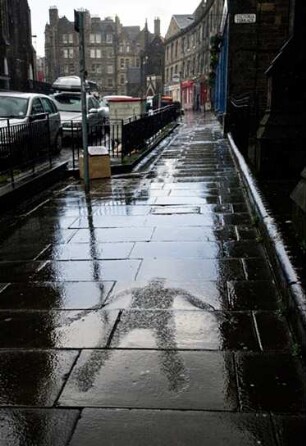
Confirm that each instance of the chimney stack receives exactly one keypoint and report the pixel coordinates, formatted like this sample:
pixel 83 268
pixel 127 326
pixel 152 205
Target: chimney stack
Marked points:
pixel 157 26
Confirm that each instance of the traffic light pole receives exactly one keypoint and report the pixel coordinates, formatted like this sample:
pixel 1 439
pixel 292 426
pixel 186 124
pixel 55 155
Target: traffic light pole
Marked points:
pixel 79 27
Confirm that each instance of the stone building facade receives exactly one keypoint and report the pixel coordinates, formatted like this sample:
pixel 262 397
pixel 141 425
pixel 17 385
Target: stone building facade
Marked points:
pixel 113 52
pixel 17 55
pixel 187 54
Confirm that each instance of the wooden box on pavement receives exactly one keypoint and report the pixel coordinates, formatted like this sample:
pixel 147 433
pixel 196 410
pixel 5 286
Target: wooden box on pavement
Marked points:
pixel 98 163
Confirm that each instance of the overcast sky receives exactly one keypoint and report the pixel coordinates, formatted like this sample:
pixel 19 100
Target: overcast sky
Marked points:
pixel 130 12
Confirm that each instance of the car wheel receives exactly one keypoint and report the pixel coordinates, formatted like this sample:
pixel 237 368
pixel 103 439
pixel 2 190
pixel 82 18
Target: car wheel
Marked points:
pixel 58 144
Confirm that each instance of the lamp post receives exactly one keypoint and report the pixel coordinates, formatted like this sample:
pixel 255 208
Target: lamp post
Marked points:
pixel 143 78
pixel 79 19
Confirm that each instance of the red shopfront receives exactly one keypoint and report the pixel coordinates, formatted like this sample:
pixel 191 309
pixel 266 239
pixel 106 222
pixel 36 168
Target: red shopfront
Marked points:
pixel 187 94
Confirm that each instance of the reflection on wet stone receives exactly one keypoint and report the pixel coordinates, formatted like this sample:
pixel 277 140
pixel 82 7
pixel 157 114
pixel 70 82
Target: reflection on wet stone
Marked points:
pixel 162 329
pixel 252 294
pixel 156 294
pixel 150 292
pixel 29 378
pixel 152 379
pixel 53 295
pixel 56 329
pixel 271 382
pixel 156 428
pixel 43 427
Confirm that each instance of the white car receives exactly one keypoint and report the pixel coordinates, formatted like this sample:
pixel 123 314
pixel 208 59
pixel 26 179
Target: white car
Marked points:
pixel 69 105
pixel 21 114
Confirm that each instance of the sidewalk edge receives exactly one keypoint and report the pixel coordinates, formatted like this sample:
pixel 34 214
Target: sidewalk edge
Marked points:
pixel 287 276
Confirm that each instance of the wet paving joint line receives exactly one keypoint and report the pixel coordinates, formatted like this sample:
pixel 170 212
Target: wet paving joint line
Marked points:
pixel 237 233
pixel 5 287
pixel 275 429
pixel 117 321
pixel 78 418
pixel 138 269
pixel 42 252
pixel 239 397
pixel 257 331
pixel 35 209
pixel 67 376
pixel 39 268
pixel 244 268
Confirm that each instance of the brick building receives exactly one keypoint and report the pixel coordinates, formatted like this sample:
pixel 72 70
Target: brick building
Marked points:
pixel 17 55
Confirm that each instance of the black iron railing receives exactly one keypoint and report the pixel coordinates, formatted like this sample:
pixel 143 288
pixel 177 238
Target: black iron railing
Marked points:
pixel 24 146
pixel 137 134
pixel 122 138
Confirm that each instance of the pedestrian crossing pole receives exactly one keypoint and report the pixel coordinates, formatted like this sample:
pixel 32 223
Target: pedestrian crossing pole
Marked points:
pixel 79 27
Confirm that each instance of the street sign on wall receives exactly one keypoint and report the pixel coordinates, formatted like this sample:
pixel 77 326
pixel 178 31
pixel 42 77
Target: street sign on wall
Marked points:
pixel 245 18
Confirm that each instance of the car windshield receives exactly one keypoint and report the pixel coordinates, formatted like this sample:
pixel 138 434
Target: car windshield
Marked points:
pixel 13 107
pixel 67 102
pixel 103 103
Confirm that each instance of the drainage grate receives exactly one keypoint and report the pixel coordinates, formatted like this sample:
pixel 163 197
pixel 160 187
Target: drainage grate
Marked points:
pixel 162 210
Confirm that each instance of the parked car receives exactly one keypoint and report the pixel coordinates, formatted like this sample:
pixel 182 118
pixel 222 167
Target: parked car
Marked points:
pixel 69 105
pixel 28 119
pixel 104 109
pixel 73 83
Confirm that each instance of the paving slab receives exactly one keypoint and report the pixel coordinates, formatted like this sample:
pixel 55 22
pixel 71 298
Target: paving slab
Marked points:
pixel 184 428
pixel 165 379
pixel 54 295
pixel 33 378
pixel 43 427
pixel 162 329
pixel 56 329
pixel 167 294
pixel 147 311
pixel 271 382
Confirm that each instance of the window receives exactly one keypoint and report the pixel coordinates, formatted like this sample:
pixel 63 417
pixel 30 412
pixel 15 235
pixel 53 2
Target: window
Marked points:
pixel 122 80
pixel 110 69
pixel 65 38
pixel 95 53
pixel 109 82
pixel 109 38
pixel 95 38
pixel 37 107
pixel 121 63
pixel 68 53
pixel 70 38
pixel 66 69
pixel 91 104
pixel 49 107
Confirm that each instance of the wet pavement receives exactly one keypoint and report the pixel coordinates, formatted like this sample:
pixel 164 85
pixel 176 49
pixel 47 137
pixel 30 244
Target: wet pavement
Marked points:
pixel 147 313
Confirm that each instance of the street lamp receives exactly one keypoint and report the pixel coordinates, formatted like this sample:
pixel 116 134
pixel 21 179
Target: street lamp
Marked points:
pixel 143 76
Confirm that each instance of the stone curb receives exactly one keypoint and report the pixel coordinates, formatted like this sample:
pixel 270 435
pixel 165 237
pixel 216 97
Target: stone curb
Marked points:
pixel 32 184
pixel 287 276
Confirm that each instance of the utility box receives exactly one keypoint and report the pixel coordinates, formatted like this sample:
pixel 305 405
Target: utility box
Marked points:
pixel 98 163
pixel 122 108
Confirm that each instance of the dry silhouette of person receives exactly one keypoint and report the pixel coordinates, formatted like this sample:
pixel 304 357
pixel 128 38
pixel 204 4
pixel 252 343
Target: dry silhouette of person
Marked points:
pixel 161 324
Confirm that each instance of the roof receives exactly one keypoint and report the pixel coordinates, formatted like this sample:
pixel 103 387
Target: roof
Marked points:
pixel 183 20
pixel 20 94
